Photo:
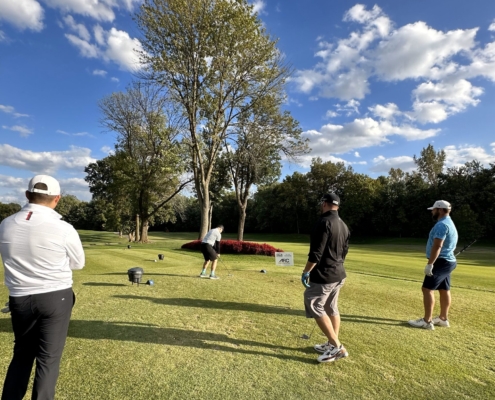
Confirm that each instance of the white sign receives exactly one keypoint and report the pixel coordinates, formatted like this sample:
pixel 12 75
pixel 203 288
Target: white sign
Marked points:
pixel 284 259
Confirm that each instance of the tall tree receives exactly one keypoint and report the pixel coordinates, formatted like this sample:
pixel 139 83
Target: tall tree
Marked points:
pixel 430 164
pixel 263 134
pixel 216 60
pixel 148 164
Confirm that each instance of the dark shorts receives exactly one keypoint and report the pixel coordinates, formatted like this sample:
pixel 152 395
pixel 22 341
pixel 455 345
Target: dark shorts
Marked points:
pixel 441 275
pixel 322 299
pixel 208 252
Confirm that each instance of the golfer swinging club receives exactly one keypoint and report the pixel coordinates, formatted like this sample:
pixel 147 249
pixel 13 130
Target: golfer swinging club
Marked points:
pixel 210 247
pixel 324 275
pixel 39 252
pixel 441 262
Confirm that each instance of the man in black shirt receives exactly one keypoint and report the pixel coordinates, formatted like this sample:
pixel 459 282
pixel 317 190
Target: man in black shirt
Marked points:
pixel 324 275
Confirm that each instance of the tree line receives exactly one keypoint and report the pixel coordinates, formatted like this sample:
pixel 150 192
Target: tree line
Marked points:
pixel 387 206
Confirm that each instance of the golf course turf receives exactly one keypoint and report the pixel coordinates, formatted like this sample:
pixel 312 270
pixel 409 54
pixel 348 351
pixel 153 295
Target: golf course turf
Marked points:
pixel 240 337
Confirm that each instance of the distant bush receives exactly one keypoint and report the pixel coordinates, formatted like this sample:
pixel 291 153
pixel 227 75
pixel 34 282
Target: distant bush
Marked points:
pixel 237 247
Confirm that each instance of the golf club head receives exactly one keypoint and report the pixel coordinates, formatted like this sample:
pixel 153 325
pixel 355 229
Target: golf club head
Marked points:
pixel 305 337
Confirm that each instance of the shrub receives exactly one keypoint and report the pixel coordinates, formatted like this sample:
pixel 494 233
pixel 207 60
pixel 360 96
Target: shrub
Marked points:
pixel 237 247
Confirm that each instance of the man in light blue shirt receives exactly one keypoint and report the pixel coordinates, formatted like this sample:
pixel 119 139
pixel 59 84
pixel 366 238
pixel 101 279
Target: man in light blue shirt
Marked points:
pixel 441 262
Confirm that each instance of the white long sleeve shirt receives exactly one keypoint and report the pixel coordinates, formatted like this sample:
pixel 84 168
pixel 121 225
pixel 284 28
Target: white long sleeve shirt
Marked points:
pixel 39 251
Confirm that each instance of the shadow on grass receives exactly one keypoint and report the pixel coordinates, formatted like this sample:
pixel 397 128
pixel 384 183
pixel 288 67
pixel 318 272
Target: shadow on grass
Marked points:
pixel 362 319
pixel 146 274
pixel 135 332
pixel 102 284
pixel 221 305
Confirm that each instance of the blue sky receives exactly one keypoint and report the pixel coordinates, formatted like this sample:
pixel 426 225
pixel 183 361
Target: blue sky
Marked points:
pixel 373 82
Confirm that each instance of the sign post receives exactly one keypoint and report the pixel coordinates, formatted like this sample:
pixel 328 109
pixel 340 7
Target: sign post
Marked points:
pixel 283 259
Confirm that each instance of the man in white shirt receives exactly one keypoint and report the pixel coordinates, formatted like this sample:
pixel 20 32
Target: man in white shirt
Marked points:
pixel 210 247
pixel 39 252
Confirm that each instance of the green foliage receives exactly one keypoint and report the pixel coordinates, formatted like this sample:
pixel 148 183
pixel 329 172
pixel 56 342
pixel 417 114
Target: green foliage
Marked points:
pixel 430 164
pixel 7 210
pixel 144 173
pixel 217 62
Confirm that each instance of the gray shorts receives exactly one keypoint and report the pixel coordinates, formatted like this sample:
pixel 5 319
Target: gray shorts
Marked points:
pixel 321 299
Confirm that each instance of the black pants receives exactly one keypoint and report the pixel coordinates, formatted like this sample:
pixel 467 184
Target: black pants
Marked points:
pixel 40 323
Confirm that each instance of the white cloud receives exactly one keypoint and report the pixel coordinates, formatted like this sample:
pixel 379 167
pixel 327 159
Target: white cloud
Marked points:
pixel 344 70
pixel 376 49
pixel 356 154
pixel 388 111
pixel 76 158
pixel 331 114
pixel 360 133
pixel 23 131
pixel 349 108
pixel 23 14
pixel 112 46
pixel 122 50
pixel 382 164
pixel 12 189
pixel 114 79
pixel 3 37
pixel 492 26
pixel 258 6
pixel 458 155
pixel 74 134
pixel 107 150
pixel 86 49
pixel 305 161
pixel 99 72
pixel 11 110
pixel 101 10
pixel 79 29
pixel 434 102
pixel 418 51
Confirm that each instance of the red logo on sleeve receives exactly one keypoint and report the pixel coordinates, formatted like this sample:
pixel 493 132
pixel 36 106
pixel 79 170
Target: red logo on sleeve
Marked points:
pixel 29 215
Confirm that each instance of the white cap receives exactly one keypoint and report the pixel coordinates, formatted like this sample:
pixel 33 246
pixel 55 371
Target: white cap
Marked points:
pixel 53 187
pixel 441 204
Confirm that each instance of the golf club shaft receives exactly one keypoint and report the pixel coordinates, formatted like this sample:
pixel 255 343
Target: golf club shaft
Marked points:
pixel 225 265
pixel 467 247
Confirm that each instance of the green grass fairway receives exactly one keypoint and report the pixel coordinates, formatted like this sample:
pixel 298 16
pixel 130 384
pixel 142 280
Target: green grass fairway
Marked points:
pixel 239 337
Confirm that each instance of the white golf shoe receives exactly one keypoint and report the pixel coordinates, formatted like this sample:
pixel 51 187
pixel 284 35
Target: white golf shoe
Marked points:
pixel 421 323
pixel 440 322
pixel 321 348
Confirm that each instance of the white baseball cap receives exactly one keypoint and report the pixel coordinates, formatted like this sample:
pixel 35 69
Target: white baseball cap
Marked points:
pixel 53 187
pixel 441 204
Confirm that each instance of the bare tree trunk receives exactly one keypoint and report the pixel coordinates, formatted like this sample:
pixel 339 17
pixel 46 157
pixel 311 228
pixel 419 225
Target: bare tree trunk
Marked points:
pixel 120 234
pixel 210 216
pixel 137 228
pixel 144 230
pixel 242 220
pixel 205 209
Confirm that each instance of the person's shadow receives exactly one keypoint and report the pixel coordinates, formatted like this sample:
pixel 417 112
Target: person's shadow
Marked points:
pixel 149 333
pixel 221 305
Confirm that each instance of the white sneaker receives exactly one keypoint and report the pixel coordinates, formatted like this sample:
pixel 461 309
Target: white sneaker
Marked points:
pixel 421 323
pixel 440 322
pixel 334 354
pixel 214 277
pixel 321 348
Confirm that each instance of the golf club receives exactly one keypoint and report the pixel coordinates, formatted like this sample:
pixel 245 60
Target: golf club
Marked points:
pixel 306 337
pixel 467 246
pixel 225 265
